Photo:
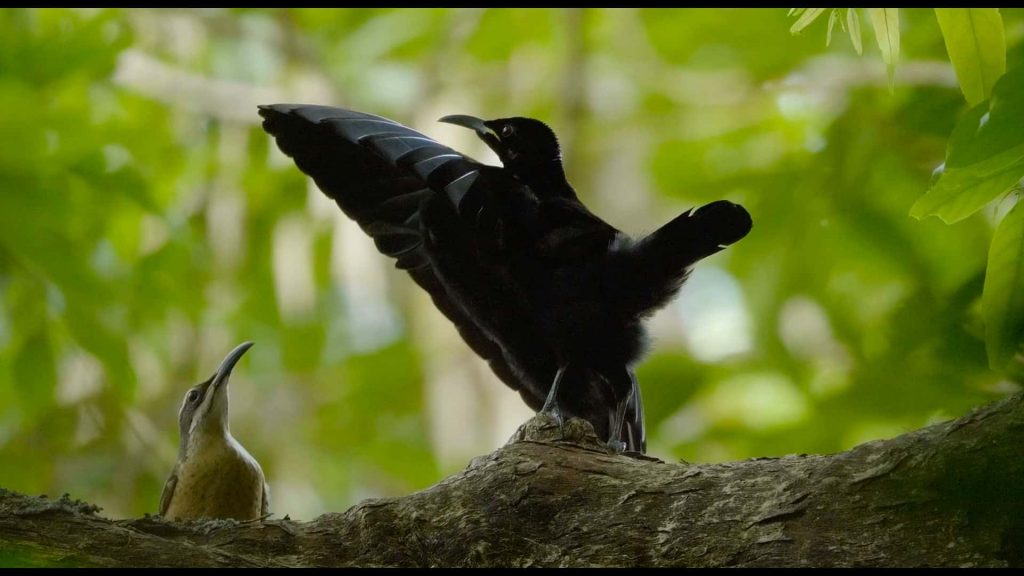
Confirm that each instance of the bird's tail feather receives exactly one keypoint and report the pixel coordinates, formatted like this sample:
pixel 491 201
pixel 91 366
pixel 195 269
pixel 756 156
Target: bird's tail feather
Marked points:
pixel 651 271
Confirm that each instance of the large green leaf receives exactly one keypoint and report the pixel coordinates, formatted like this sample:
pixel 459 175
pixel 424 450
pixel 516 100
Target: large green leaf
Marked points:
pixel 985 157
pixel 1002 302
pixel 961 192
pixel 977 47
pixel 886 23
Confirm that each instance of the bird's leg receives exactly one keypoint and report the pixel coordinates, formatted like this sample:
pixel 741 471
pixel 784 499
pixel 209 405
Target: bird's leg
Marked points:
pixel 551 403
pixel 638 430
pixel 618 417
pixel 615 444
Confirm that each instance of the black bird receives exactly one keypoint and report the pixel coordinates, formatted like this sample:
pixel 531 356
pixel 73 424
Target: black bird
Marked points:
pixel 549 294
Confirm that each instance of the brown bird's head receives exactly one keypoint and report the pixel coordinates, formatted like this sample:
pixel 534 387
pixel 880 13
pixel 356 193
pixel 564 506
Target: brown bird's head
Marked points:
pixel 204 409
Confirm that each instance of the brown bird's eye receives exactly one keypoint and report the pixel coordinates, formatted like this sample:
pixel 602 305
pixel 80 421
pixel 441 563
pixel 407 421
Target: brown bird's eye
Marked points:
pixel 193 395
pixel 507 130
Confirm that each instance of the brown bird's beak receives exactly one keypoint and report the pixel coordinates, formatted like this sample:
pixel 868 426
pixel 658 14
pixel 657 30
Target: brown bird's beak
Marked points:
pixel 229 363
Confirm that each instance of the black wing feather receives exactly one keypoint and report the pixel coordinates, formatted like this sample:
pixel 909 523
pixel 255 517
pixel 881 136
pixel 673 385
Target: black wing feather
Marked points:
pixel 383 174
pixel 380 173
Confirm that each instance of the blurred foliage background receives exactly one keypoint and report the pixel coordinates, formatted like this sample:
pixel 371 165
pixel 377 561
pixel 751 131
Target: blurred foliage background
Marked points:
pixel 148 225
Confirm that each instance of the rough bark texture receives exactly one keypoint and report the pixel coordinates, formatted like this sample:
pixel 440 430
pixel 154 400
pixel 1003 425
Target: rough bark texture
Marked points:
pixel 951 494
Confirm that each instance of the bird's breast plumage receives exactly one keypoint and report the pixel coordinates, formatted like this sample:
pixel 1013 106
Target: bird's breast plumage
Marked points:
pixel 220 480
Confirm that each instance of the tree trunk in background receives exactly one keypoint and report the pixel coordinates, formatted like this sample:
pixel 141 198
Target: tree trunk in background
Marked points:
pixel 951 494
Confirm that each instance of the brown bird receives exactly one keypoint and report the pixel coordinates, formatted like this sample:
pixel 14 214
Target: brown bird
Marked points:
pixel 215 477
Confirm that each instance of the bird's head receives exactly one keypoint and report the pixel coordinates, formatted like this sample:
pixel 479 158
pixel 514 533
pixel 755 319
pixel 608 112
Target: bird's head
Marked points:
pixel 204 409
pixel 518 142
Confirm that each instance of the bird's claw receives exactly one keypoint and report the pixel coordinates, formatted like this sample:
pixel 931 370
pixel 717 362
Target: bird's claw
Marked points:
pixel 555 413
pixel 616 446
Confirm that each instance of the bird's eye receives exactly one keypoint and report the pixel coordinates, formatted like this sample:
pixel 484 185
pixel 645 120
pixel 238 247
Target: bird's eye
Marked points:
pixel 193 395
pixel 507 130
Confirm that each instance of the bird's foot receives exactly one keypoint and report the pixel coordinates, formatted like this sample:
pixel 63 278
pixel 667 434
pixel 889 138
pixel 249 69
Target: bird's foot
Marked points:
pixel 616 446
pixel 554 412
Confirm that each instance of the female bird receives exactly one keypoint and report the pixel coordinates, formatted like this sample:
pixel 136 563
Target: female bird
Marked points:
pixel 215 477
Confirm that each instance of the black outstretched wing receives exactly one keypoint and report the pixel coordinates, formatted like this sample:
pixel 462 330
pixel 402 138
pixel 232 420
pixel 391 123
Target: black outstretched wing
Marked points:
pixel 377 170
pixel 379 173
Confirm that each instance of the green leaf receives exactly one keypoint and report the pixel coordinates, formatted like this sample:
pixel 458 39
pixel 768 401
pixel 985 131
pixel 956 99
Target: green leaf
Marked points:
pixel 805 19
pixel 1002 300
pixel 886 23
pixel 832 19
pixel 961 192
pixel 853 27
pixel 985 156
pixel 977 48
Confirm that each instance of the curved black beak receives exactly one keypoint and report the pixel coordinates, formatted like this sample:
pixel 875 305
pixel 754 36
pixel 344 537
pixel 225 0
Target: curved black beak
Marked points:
pixel 490 137
pixel 224 371
pixel 471 122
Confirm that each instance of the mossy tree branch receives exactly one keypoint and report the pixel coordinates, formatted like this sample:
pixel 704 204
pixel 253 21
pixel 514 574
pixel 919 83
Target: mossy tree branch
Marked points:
pixel 951 494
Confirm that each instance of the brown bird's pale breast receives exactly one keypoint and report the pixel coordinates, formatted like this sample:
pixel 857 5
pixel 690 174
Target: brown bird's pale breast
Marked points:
pixel 222 481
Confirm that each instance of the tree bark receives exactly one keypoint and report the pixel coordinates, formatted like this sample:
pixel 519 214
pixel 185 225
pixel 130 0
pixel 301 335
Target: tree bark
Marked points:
pixel 951 494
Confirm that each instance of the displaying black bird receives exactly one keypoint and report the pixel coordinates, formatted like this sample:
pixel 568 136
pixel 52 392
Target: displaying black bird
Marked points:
pixel 549 294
